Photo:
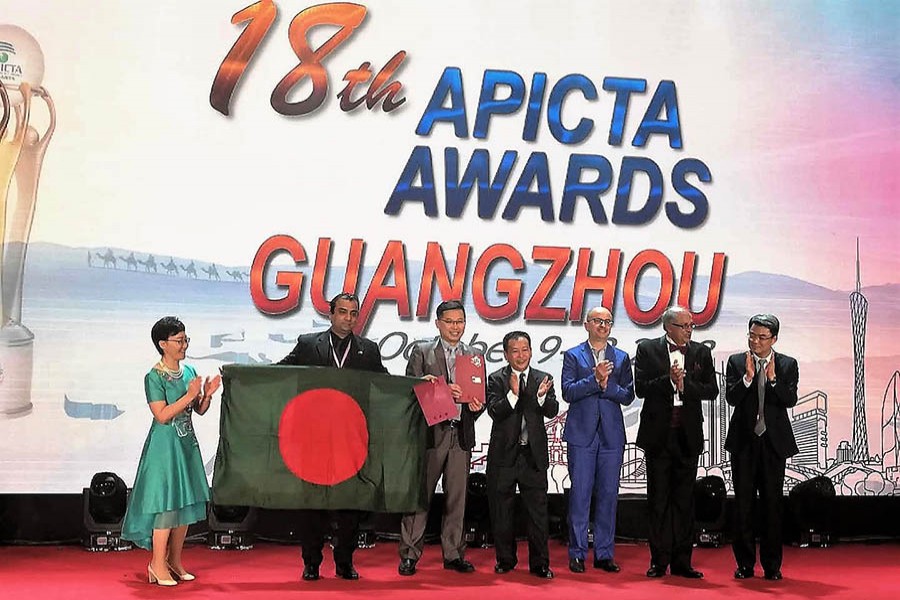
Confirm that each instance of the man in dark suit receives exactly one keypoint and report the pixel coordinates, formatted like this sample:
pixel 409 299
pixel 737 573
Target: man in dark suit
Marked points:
pixel 761 385
pixel 339 348
pixel 596 382
pixel 519 398
pixel 673 375
pixel 449 446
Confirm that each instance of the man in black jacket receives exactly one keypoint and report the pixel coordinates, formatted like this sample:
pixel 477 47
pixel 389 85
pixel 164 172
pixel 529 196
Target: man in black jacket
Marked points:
pixel 673 375
pixel 519 398
pixel 761 385
pixel 340 348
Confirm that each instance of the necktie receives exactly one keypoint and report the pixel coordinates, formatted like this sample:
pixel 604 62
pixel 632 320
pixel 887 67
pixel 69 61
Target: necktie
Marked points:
pixel 451 364
pixel 523 433
pixel 451 374
pixel 760 427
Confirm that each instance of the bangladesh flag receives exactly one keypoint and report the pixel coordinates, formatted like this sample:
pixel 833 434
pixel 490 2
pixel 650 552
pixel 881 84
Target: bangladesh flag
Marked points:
pixel 317 437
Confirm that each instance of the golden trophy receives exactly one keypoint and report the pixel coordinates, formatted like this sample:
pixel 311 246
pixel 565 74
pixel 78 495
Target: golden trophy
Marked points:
pixel 22 151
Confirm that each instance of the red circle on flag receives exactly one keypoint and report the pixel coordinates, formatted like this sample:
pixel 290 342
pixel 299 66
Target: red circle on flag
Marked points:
pixel 323 436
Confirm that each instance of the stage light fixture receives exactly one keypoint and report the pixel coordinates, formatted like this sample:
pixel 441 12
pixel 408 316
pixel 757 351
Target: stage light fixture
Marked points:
pixel 103 510
pixel 812 502
pixel 230 527
pixel 478 517
pixel 709 511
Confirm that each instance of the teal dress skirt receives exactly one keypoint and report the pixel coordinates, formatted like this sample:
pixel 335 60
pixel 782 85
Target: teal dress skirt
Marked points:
pixel 170 488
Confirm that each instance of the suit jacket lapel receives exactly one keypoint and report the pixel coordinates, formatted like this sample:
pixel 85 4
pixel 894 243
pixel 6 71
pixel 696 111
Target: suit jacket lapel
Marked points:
pixel 440 359
pixel 610 354
pixel 354 353
pixel 663 348
pixel 323 349
pixel 587 354
pixel 690 354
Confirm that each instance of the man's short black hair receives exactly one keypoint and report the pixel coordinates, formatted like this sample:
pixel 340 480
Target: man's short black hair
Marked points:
pixel 450 305
pixel 164 329
pixel 343 296
pixel 770 322
pixel 515 335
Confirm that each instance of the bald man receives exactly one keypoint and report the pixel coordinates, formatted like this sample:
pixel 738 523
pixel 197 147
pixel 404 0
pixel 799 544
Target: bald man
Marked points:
pixel 596 382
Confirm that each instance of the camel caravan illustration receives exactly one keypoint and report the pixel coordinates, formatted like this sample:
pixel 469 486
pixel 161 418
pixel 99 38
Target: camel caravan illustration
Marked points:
pixel 109 260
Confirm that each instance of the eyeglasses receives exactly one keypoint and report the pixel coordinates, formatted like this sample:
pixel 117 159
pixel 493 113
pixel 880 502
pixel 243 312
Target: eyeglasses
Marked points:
pixel 599 321
pixel 448 322
pixel 181 342
pixel 683 326
pixel 759 338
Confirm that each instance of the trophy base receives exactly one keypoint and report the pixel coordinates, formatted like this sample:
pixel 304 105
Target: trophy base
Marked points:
pixel 16 365
pixel 15 413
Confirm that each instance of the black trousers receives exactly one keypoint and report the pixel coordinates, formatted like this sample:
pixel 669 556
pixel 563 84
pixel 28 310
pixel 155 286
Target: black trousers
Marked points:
pixel 671 472
pixel 532 482
pixel 315 524
pixel 758 468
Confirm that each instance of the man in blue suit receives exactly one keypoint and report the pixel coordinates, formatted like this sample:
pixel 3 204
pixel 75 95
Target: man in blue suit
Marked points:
pixel 596 382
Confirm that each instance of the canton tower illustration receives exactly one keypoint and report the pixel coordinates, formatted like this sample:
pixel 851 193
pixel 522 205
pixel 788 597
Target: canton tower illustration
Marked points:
pixel 859 308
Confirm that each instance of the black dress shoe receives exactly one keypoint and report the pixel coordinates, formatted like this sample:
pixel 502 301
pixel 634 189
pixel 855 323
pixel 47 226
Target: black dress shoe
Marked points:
pixel 743 573
pixel 576 565
pixel 689 573
pixel 460 565
pixel 542 572
pixel 501 568
pixel 310 572
pixel 346 571
pixel 774 575
pixel 407 567
pixel 656 571
pixel 607 564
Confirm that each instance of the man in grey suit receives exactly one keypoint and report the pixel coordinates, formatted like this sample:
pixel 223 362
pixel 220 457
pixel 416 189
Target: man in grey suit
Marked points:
pixel 449 448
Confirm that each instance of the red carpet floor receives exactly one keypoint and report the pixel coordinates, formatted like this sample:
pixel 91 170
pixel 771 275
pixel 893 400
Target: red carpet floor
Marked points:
pixel 852 571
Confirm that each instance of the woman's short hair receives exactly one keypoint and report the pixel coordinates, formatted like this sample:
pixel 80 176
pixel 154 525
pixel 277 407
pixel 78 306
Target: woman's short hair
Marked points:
pixel 164 329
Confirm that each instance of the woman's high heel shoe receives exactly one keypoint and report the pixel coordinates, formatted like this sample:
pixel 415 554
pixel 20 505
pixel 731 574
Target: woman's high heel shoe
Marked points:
pixel 184 576
pixel 151 576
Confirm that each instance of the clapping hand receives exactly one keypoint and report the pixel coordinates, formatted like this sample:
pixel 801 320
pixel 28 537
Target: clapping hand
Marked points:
pixel 194 388
pixel 676 374
pixel 602 371
pixel 513 383
pixel 546 384
pixel 749 366
pixel 211 385
pixel 770 370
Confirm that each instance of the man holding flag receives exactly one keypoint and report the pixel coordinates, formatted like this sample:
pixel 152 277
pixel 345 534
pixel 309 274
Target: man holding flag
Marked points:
pixel 338 347
pixel 334 437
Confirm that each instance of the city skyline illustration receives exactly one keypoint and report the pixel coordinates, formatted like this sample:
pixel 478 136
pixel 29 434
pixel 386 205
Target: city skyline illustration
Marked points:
pixel 851 467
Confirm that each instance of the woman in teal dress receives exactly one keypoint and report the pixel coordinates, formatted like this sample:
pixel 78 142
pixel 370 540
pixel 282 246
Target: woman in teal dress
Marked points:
pixel 170 489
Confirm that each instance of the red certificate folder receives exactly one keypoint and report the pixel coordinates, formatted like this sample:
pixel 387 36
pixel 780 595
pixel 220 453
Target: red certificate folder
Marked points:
pixel 470 377
pixel 436 401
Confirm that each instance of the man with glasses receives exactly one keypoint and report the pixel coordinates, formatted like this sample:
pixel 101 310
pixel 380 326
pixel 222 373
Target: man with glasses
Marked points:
pixel 761 385
pixel 673 375
pixel 449 447
pixel 596 382
pixel 340 348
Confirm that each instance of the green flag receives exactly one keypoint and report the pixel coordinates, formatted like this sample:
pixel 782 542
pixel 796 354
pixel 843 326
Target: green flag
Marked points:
pixel 317 437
